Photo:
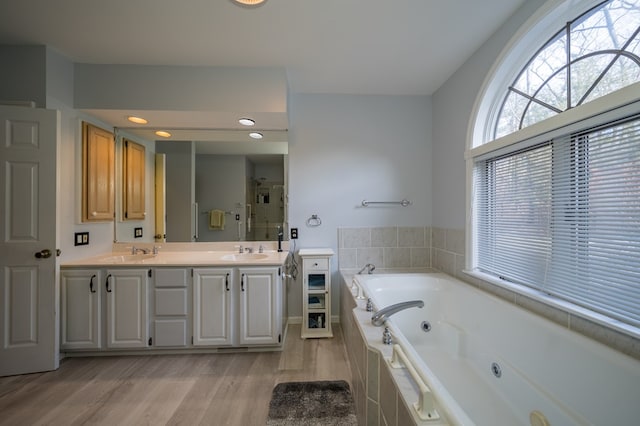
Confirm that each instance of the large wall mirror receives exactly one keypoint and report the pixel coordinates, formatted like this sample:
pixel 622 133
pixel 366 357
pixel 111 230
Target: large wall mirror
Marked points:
pixel 208 186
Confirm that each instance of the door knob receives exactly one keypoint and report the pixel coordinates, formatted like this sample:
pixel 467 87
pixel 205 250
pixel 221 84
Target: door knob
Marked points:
pixel 43 254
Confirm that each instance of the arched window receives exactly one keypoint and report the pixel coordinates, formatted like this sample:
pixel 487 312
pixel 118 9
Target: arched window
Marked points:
pixel 595 54
pixel 554 162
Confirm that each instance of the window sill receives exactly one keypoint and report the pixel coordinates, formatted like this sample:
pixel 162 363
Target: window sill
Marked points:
pixel 561 305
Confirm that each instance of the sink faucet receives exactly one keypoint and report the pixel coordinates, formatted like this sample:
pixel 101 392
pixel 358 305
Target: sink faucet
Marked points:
pixel 369 267
pixel 280 236
pixel 249 249
pixel 381 316
pixel 241 249
pixel 136 250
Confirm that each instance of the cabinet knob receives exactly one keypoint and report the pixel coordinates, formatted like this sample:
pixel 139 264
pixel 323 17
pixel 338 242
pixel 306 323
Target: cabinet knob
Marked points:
pixel 94 214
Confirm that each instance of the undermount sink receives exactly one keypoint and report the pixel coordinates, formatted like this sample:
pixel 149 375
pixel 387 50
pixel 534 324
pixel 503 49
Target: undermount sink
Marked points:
pixel 244 256
pixel 123 258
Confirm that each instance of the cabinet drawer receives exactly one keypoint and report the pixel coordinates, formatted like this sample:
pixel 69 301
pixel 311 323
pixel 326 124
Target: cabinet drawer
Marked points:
pixel 315 264
pixel 170 332
pixel 171 277
pixel 171 301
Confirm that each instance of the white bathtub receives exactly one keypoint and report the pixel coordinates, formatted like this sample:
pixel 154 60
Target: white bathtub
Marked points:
pixel 544 369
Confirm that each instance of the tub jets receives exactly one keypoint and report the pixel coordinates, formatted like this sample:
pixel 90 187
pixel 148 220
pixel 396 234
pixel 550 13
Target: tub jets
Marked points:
pixel 381 316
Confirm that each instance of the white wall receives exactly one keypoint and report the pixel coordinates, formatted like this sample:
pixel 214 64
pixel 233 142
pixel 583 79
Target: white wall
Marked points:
pixel 452 108
pixel 346 148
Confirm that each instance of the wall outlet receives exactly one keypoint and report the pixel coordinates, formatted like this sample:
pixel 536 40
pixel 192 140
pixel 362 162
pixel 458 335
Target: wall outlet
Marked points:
pixel 137 233
pixel 294 233
pixel 81 239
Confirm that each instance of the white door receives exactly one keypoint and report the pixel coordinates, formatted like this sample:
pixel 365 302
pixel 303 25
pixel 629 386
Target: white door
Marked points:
pixel 28 266
pixel 259 321
pixel 127 300
pixel 212 290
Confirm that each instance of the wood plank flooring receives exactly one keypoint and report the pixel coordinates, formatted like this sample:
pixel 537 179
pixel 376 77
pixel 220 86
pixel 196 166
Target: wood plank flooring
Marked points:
pixel 208 389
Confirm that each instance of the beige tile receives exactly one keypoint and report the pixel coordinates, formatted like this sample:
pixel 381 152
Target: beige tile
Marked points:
pixel 444 261
pixel 384 237
pixel 347 258
pixel 373 413
pixel 546 311
pixel 370 255
pixel 439 238
pixel 615 340
pixel 388 398
pixel 373 368
pixel 455 241
pixel 404 416
pixel 397 257
pixel 356 237
pixel 420 257
pixel 411 237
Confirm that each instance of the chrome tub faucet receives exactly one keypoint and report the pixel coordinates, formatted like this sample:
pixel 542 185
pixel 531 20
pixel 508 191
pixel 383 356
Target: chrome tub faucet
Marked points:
pixel 381 316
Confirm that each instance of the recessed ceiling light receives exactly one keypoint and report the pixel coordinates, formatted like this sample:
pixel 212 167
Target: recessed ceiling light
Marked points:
pixel 249 2
pixel 256 135
pixel 246 122
pixel 137 120
pixel 163 133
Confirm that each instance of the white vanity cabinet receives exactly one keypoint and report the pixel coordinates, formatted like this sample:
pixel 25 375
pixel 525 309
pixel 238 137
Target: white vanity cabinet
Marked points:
pixel 212 306
pixel 260 306
pixel 81 309
pixel 316 292
pixel 127 313
pixel 142 308
pixel 170 307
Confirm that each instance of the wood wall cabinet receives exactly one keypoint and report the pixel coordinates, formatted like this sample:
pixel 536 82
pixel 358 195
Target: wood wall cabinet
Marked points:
pixel 98 174
pixel 133 181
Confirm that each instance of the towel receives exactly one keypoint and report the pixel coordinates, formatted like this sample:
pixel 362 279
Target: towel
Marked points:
pixel 216 220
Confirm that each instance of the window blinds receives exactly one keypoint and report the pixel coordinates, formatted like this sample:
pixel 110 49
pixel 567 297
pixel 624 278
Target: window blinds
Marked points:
pixel 564 217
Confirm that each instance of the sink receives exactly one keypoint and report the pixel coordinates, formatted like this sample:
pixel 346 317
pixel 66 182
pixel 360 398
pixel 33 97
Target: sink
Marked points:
pixel 124 258
pixel 244 257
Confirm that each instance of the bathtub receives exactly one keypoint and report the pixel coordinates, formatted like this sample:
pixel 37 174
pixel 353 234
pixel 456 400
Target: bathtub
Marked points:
pixel 488 362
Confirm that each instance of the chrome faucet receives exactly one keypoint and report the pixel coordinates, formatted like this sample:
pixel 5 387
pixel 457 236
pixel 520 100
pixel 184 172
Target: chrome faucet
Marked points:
pixel 369 267
pixel 135 250
pixel 381 316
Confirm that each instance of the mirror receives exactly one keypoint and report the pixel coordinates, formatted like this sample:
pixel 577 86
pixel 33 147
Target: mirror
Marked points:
pixel 209 185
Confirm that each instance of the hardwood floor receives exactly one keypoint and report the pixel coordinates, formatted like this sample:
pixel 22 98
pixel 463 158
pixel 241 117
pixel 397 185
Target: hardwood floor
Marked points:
pixel 211 389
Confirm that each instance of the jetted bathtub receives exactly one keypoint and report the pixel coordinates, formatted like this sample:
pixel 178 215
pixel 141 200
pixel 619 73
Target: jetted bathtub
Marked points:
pixel 488 362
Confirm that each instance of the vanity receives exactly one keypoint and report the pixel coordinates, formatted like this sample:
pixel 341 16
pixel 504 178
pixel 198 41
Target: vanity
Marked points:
pixel 174 299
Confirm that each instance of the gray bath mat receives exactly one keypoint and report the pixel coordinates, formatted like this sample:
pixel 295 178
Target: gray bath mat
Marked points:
pixel 324 403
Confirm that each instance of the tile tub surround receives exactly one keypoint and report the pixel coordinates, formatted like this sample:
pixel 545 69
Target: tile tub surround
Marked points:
pixel 445 252
pixel 376 394
pixel 386 247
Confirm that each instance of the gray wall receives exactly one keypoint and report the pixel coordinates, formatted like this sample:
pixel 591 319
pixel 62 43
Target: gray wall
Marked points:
pixel 452 109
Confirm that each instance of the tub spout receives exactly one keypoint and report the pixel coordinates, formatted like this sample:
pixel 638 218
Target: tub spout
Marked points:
pixel 381 316
pixel 369 267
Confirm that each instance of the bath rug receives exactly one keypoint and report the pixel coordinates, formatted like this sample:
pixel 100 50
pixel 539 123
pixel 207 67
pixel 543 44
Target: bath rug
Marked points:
pixel 322 403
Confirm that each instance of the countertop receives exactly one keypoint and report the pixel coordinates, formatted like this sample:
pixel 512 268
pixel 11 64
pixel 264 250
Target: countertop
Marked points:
pixel 183 258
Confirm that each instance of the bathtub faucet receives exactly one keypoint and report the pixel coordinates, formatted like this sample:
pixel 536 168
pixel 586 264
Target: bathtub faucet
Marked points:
pixel 381 316
pixel 369 267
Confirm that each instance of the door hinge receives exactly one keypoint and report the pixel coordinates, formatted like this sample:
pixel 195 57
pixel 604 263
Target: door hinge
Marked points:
pixel 150 341
pixel 279 338
pixel 192 277
pixel 126 215
pixel 192 340
pixel 149 273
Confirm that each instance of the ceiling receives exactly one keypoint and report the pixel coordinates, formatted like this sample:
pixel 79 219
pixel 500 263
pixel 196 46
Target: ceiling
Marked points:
pixel 388 47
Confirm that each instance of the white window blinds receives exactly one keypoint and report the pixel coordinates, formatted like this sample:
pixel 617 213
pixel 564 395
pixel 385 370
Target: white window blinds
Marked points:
pixel 564 217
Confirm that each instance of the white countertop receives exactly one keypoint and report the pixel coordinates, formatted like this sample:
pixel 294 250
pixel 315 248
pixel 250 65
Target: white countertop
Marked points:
pixel 183 258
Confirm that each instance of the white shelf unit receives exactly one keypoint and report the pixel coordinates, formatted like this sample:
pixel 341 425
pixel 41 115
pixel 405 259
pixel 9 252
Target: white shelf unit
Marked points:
pixel 316 292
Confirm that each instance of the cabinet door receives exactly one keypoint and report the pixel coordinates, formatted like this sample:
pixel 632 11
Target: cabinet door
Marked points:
pixel 98 174
pixel 127 299
pixel 134 202
pixel 259 306
pixel 212 289
pixel 80 309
